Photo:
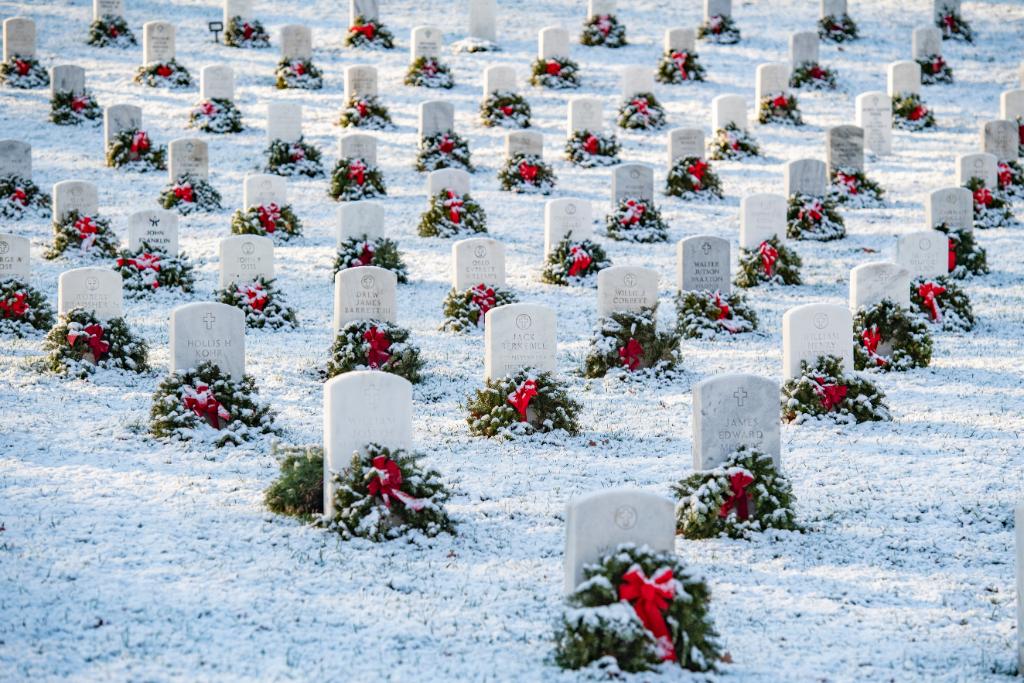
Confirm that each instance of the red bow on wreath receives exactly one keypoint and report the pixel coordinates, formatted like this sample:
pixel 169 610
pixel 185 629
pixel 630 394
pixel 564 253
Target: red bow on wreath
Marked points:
pixel 368 30
pixel 184 193
pixel 938 64
pixel 918 113
pixel 831 395
pixel 739 500
pixel 255 296
pixel 780 102
pixel 113 32
pixel 591 145
pixel 140 142
pixel 446 145
pixel 87 232
pixel 208 108
pixel 78 103
pixel 679 59
pixel 769 255
pixel 380 344
pixel 357 171
pixel 983 196
pixel 631 354
pixel 269 215
pixel 949 21
pixel 506 110
pixel 362 107
pixel 94 338
pixel 871 338
pixel 528 172
pixel 634 212
pixel 202 402
pixel 812 210
pixel 298 68
pixel 430 67
pixel 454 205
pixel 22 67
pixel 14 308
pixel 716 24
pixel 142 262
pixel 817 73
pixel 580 260
pixel 365 257
pixel 1005 175
pixel 725 314
pixel 952 255
pixel 553 68
pixel 247 30
pixel 849 181
pixel 164 71
pixel 733 140
pixel 640 104
pixel 650 598
pixel 697 171
pixel 521 397
pixel 19 196
pixel 296 153
pixel 386 480
pixel 604 24
pixel 929 291
pixel 483 297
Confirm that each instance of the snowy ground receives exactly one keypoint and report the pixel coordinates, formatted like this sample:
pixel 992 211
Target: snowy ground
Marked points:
pixel 122 558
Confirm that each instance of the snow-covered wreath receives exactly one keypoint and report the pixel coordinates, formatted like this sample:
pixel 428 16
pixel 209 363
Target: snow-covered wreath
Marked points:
pixel 451 214
pixel 20 197
pixel 693 178
pixel 443 150
pixel 298 74
pixel 1010 178
pixel 679 66
pixel 168 74
pixel 91 235
pixel 375 345
pixel 190 194
pixel 889 337
pixel 79 343
pixel 966 256
pixel 574 263
pixel 642 111
pixel 824 391
pixel 603 30
pixel 294 158
pixel 743 496
pixel 206 405
pixel 429 72
pixel 69 109
pixel 636 610
pixel 521 404
pixel 464 311
pixel 772 262
pixel 940 302
pixel 955 27
pixel 365 111
pixel 557 73
pixel 23 308
pixel 381 252
pixel 636 220
pixel 369 33
pixel 269 220
pixel 354 179
pixel 909 113
pixel 216 116
pixel 261 301
pixel 813 76
pixel 782 109
pixel 934 70
pixel 707 315
pixel 299 489
pixel 246 34
pixel 732 142
pixel 720 29
pixel 506 109
pixel 24 73
pixel 853 188
pixel 148 269
pixel 526 174
pixel 813 218
pixel 132 150
pixel 991 210
pixel 833 29
pixel 588 149
pixel 626 342
pixel 111 31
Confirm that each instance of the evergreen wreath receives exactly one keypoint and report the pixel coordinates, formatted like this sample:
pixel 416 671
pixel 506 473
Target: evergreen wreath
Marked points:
pixel 720 29
pixel 642 111
pixel 452 215
pixel 636 220
pixel 526 173
pixel 298 74
pixel 954 27
pixel 707 315
pixel 23 308
pixel 692 178
pixel 375 345
pixel 935 70
pixel 148 269
pixel 79 343
pixel 69 109
pixel 367 111
pixel 132 150
pixel 24 73
pixel 587 149
pixel 636 609
pixel 381 252
pixel 216 116
pixel 169 74
pixel 833 29
pixel 20 196
pixel 299 490
pixel 354 179
pixel 888 337
pixel 91 235
pixel 679 66
pixel 522 404
pixel 246 34
pixel 1010 179
pixel 966 256
pixel 262 302
pixel 557 73
pixel 574 263
pixel 743 496
pixel 429 72
pixel 506 109
pixel 189 195
pixel 940 302
pixel 814 218
pixel 854 189
pixel 603 30
pixel 813 76
pixel 782 109
pixel 384 494
pixel 990 209
pixel 268 220
pixel 369 33
pixel 771 263
pixel 111 31
pixel 732 142
pixel 908 113
pixel 204 404
pixel 294 159
pixel 443 150
pixel 629 342
pixel 823 390
pixel 464 311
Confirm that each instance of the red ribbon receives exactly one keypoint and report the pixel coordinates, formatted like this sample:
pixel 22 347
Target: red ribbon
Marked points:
pixel 918 113
pixel 184 193
pixel 929 291
pixel 812 211
pixel 22 67
pixel 780 102
pixel 634 212
pixel 296 153
pixel 831 395
pixel 739 500
pixel 650 598
pixel 716 24
pixel 521 397
pixel 113 32
pixel 850 181
pixel 604 24
pixel 19 196
pixel 430 67
pixel 164 71
pixel 357 171
pixel 386 482
pixel 298 68
pixel 528 172
pixel 483 297
pixel 631 354
pixel 142 262
pixel 380 344
pixel 208 108
pixel 454 205
pixel 640 104
pixel 202 402
pixel 983 196
pixel 817 73
pixel 769 255
pixel 255 296
pixel 507 110
pixel 268 216
pixel 140 142
pixel 950 22
pixel 553 68
pixel 362 107
pixel 247 30
pixel 366 255
pixel 1005 175
pixel 1020 134
pixel 94 338
pixel 367 30
pixel 679 58
pixel 78 103
pixel 580 260
pixel 591 144
pixel 871 338
pixel 447 145
pixel 938 64
pixel 14 308
pixel 952 255
pixel 725 314
pixel 697 170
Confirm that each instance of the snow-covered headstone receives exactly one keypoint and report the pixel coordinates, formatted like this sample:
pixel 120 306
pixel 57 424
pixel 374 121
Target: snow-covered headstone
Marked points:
pixel 284 121
pixel 427 41
pixel 730 411
pixel 685 142
pixel 476 261
pixel 217 82
pixel 585 114
pixel 208 332
pixel 632 181
pixel 519 336
pixel 553 43
pixel 118 118
pixel 815 330
pixel 977 165
pixel 67 78
pixel 97 290
pixel 726 109
pixel 74 195
pixel 14 258
pixel 702 264
pixel 1000 139
pixel 296 42
pixel 436 116
pixel 454 179
pixel 156 227
pixel 188 156
pixel 364 293
pixel 499 78
pixel 904 78
pixel 527 142
pixel 264 189
pixel 772 80
pixel 359 146
pixel 243 258
pixel 871 283
pixel 362 220
pixel 626 289
pixel 926 41
pixel 157 42
pixel 360 81
pixel 15 159
pixel 19 38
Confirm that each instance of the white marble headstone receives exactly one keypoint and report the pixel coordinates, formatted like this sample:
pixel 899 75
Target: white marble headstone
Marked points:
pixel 762 216
pixel 217 82
pixel 359 146
pixel 685 142
pixel 454 179
pixel 14 258
pixel 15 159
pixel 243 258
pixel 19 38
pixel 426 41
pixel 263 189
pixel 67 78
pixel 636 80
pixel 815 330
pixel 360 81
pixel 365 293
pixel 499 78
pixel 807 177
pixel 296 42
pixel 118 118
pixel 284 121
pixel 927 42
pixel 717 8
pixel 803 48
pixel 359 220
pixel 632 181
pixel 564 216
pixel 726 109
pixel 870 283
pixel 844 148
pixel 157 42
pixel 156 227
pixel 904 78
pixel 702 264
pixel 107 8
pixel 483 16
pixel 188 155
pixel 1011 104
pixel 730 411
pixel 75 195
pixel 977 165
pixel 367 9
pixel 924 253
pixel 553 43
pixel 1000 139
pixel 680 40
pixel 436 116
pixel 772 80
pixel 524 142
pixel 237 8
pixel 519 336
pixel 833 8
pixel 208 332
pixel 598 8
pixel 92 289
pixel 874 115
pixel 953 206
pixel 478 260
pixel 585 114
pixel 626 289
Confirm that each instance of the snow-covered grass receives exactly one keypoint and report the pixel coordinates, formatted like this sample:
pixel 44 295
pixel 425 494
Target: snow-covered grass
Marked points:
pixel 122 558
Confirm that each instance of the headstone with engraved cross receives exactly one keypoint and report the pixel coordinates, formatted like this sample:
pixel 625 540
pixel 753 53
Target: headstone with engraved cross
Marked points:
pixel 730 411
pixel 208 332
pixel 702 264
